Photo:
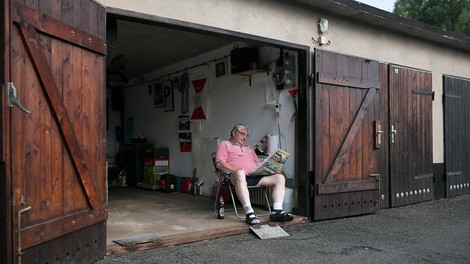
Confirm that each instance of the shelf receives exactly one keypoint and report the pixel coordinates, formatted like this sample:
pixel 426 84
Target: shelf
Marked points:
pixel 252 72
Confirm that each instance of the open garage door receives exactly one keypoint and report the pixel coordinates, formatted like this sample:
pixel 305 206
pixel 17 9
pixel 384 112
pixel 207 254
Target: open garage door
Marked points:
pixel 55 131
pixel 348 135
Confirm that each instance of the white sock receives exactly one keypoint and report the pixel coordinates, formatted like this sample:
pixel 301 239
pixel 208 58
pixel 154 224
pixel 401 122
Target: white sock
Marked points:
pixel 248 209
pixel 277 206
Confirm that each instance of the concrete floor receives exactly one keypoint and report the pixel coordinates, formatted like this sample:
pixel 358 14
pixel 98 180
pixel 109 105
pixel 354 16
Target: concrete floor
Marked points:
pixel 172 218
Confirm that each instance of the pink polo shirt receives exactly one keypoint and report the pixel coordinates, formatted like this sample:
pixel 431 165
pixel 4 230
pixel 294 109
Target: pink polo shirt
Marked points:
pixel 243 157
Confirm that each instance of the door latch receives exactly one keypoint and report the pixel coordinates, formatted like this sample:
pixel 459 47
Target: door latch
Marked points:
pixel 394 132
pixel 378 134
pixel 13 98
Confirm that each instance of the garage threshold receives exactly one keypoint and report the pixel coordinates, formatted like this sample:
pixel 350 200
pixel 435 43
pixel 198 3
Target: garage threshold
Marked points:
pixel 170 218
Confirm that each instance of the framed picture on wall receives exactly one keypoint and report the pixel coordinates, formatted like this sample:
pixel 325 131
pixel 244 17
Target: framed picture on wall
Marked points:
pixel 184 124
pixel 168 95
pixel 220 68
pixel 158 95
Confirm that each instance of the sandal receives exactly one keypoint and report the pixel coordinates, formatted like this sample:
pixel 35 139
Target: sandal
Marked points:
pixel 280 216
pixel 251 219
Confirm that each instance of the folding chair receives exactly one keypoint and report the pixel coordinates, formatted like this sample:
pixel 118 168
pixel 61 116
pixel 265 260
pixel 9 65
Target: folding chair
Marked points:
pixel 223 177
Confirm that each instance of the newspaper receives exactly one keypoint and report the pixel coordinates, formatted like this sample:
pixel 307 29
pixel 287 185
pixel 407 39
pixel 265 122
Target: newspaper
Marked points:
pixel 272 164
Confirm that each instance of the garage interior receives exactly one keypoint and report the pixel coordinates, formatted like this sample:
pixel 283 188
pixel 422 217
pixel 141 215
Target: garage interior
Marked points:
pixel 139 215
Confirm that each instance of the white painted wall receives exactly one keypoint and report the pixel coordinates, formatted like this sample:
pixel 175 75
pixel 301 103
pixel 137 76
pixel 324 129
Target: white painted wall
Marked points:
pixel 297 24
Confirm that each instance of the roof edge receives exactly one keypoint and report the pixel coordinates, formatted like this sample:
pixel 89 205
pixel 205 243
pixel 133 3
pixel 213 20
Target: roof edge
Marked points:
pixel 381 18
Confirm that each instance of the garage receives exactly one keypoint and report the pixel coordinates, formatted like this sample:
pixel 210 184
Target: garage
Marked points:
pixel 153 53
pixel 96 92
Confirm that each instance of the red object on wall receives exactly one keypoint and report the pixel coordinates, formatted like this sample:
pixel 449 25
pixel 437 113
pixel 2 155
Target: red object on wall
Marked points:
pixel 199 100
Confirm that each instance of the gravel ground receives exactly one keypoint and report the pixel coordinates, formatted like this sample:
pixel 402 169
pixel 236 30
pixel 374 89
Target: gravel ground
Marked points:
pixel 431 232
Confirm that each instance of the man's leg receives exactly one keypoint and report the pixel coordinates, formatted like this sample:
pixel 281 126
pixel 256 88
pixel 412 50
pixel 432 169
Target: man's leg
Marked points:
pixel 238 180
pixel 278 182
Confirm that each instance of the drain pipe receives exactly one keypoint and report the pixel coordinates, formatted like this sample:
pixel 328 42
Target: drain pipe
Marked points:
pixel 19 253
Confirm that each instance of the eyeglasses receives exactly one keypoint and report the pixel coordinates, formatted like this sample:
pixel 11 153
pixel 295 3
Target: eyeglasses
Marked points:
pixel 243 133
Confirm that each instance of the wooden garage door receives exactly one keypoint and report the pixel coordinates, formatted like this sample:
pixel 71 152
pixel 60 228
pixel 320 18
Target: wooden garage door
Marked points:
pixel 56 148
pixel 347 117
pixel 411 173
pixel 457 135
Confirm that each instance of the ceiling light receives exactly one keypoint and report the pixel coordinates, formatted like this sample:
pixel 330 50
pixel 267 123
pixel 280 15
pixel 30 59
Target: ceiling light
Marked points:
pixel 322 29
pixel 322 25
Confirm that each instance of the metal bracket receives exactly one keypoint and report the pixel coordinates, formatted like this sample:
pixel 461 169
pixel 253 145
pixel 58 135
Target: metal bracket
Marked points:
pixel 377 178
pixel 19 252
pixel 13 98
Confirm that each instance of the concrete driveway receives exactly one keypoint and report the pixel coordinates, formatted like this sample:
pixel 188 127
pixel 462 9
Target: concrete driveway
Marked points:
pixel 431 232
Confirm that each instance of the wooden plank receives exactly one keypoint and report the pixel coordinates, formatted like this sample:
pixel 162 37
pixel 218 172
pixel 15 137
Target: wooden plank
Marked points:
pixel 71 81
pixel 56 28
pixel 384 151
pixel 175 240
pixel 56 149
pixel 355 198
pixel 368 198
pixel 42 68
pixel 322 104
pixel 97 107
pixel 339 160
pixel 101 101
pixel 395 175
pixel 54 228
pixel 341 124
pixel 342 80
pixel 414 138
pixel 465 154
pixel 349 186
pixel 78 247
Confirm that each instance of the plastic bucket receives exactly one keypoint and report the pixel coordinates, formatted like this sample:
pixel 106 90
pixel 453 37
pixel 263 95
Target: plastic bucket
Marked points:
pixel 287 204
pixel 178 184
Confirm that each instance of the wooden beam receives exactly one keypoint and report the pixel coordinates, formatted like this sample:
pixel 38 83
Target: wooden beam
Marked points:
pixel 341 80
pixel 58 29
pixel 46 231
pixel 343 187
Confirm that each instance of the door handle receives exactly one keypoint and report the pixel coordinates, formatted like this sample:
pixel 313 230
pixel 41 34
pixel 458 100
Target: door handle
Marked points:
pixel 394 132
pixel 378 134
pixel 13 98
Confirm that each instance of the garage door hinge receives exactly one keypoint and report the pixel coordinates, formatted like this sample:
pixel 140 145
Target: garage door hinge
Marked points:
pixel 311 79
pixel 424 92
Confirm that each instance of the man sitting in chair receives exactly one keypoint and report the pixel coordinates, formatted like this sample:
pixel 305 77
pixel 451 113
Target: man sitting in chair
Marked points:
pixel 235 156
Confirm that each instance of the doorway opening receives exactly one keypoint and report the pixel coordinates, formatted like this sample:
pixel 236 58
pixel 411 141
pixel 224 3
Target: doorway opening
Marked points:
pixel 146 139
